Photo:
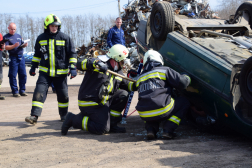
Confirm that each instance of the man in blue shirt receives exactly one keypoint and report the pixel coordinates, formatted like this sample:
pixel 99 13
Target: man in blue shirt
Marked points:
pixel 116 34
pixel 17 62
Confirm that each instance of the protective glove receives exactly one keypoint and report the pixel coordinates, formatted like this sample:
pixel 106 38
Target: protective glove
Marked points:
pixel 102 67
pixel 187 77
pixel 32 71
pixel 132 73
pixel 72 71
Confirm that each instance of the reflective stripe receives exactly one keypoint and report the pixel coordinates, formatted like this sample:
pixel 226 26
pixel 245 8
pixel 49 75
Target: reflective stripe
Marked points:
pixel 84 64
pixel 159 75
pixel 174 119
pixel 51 58
pixel 84 123
pixel 36 59
pixel 0 86
pixel 59 71
pixel 43 42
pixel 37 104
pixel 110 87
pixel 62 105
pixel 72 60
pixel 115 113
pixel 44 69
pixel 94 64
pixel 118 78
pixel 87 103
pixel 157 112
pixel 97 70
pixel 60 42
pixel 130 86
pixel 62 71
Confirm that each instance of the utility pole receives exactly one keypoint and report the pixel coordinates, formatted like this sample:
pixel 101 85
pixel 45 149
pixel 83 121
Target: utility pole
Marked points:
pixel 119 8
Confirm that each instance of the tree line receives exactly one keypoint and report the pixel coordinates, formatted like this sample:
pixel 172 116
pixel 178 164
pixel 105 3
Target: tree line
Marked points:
pixel 80 28
pixel 228 7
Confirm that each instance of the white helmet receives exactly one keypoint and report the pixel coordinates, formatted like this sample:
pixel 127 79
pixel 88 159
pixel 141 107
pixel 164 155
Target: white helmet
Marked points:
pixel 118 52
pixel 154 56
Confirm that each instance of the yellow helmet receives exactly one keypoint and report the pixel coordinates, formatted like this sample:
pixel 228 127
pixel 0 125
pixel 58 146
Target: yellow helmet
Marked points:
pixel 52 20
pixel 118 52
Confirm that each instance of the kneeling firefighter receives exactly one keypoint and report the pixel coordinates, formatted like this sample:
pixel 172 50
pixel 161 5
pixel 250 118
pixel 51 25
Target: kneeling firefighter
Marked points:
pixel 55 54
pixel 100 100
pixel 155 105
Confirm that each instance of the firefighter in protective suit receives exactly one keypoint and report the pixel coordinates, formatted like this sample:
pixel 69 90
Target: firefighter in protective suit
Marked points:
pixel 155 105
pixel 100 100
pixel 56 57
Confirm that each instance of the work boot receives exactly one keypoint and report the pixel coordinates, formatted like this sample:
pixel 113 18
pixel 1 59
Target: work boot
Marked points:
pixel 23 94
pixel 31 119
pixel 67 123
pixel 2 97
pixel 151 134
pixel 169 135
pixel 16 95
pixel 62 118
pixel 116 129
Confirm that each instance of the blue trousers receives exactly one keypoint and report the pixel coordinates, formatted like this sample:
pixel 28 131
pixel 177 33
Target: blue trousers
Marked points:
pixel 17 66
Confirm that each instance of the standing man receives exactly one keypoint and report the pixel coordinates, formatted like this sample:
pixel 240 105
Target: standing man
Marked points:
pixel 17 62
pixel 100 99
pixel 55 54
pixel 116 34
pixel 1 64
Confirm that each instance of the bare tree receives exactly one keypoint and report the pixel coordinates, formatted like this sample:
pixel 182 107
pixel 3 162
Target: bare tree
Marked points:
pixel 228 7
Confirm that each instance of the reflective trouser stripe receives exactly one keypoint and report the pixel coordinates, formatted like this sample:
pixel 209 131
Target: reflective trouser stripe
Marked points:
pixel 62 105
pixel 174 119
pixel 157 112
pixel 115 113
pixel 86 103
pixel 84 123
pixel 37 104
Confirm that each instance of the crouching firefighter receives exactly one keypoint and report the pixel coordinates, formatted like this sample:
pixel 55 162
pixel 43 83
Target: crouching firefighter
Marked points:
pixel 55 55
pixel 100 100
pixel 155 105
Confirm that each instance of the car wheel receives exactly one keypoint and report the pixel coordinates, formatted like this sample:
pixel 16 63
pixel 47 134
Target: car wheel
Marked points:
pixel 245 81
pixel 161 20
pixel 246 7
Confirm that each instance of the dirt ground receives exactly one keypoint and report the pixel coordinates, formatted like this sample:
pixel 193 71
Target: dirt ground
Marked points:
pixel 25 145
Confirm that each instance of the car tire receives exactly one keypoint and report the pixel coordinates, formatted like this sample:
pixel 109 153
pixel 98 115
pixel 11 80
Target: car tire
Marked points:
pixel 161 20
pixel 245 81
pixel 247 7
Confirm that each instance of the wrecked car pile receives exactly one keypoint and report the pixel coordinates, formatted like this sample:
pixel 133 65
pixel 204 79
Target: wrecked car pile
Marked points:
pixel 134 12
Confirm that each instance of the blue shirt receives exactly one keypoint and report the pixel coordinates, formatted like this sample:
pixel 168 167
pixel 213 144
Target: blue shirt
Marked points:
pixel 13 39
pixel 115 36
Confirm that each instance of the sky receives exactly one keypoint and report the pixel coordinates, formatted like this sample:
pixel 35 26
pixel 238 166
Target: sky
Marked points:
pixel 37 8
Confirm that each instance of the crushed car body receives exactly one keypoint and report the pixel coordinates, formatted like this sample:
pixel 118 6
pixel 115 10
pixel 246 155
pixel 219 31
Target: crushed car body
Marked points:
pixel 217 56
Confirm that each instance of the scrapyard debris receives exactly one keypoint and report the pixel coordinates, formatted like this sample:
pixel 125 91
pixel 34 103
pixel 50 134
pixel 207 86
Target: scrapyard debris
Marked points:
pixel 134 12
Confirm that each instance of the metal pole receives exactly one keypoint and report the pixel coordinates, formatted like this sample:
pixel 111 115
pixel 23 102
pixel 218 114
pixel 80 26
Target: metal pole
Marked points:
pixel 119 8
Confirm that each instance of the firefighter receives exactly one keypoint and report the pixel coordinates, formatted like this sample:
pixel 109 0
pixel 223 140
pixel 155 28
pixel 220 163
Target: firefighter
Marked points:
pixel 100 100
pixel 155 105
pixel 55 54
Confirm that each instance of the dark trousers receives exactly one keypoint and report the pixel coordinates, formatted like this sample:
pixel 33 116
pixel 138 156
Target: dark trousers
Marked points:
pixel 97 119
pixel 17 66
pixel 1 69
pixel 181 107
pixel 40 93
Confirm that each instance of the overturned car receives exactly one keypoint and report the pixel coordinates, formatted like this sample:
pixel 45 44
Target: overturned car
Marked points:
pixel 215 53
